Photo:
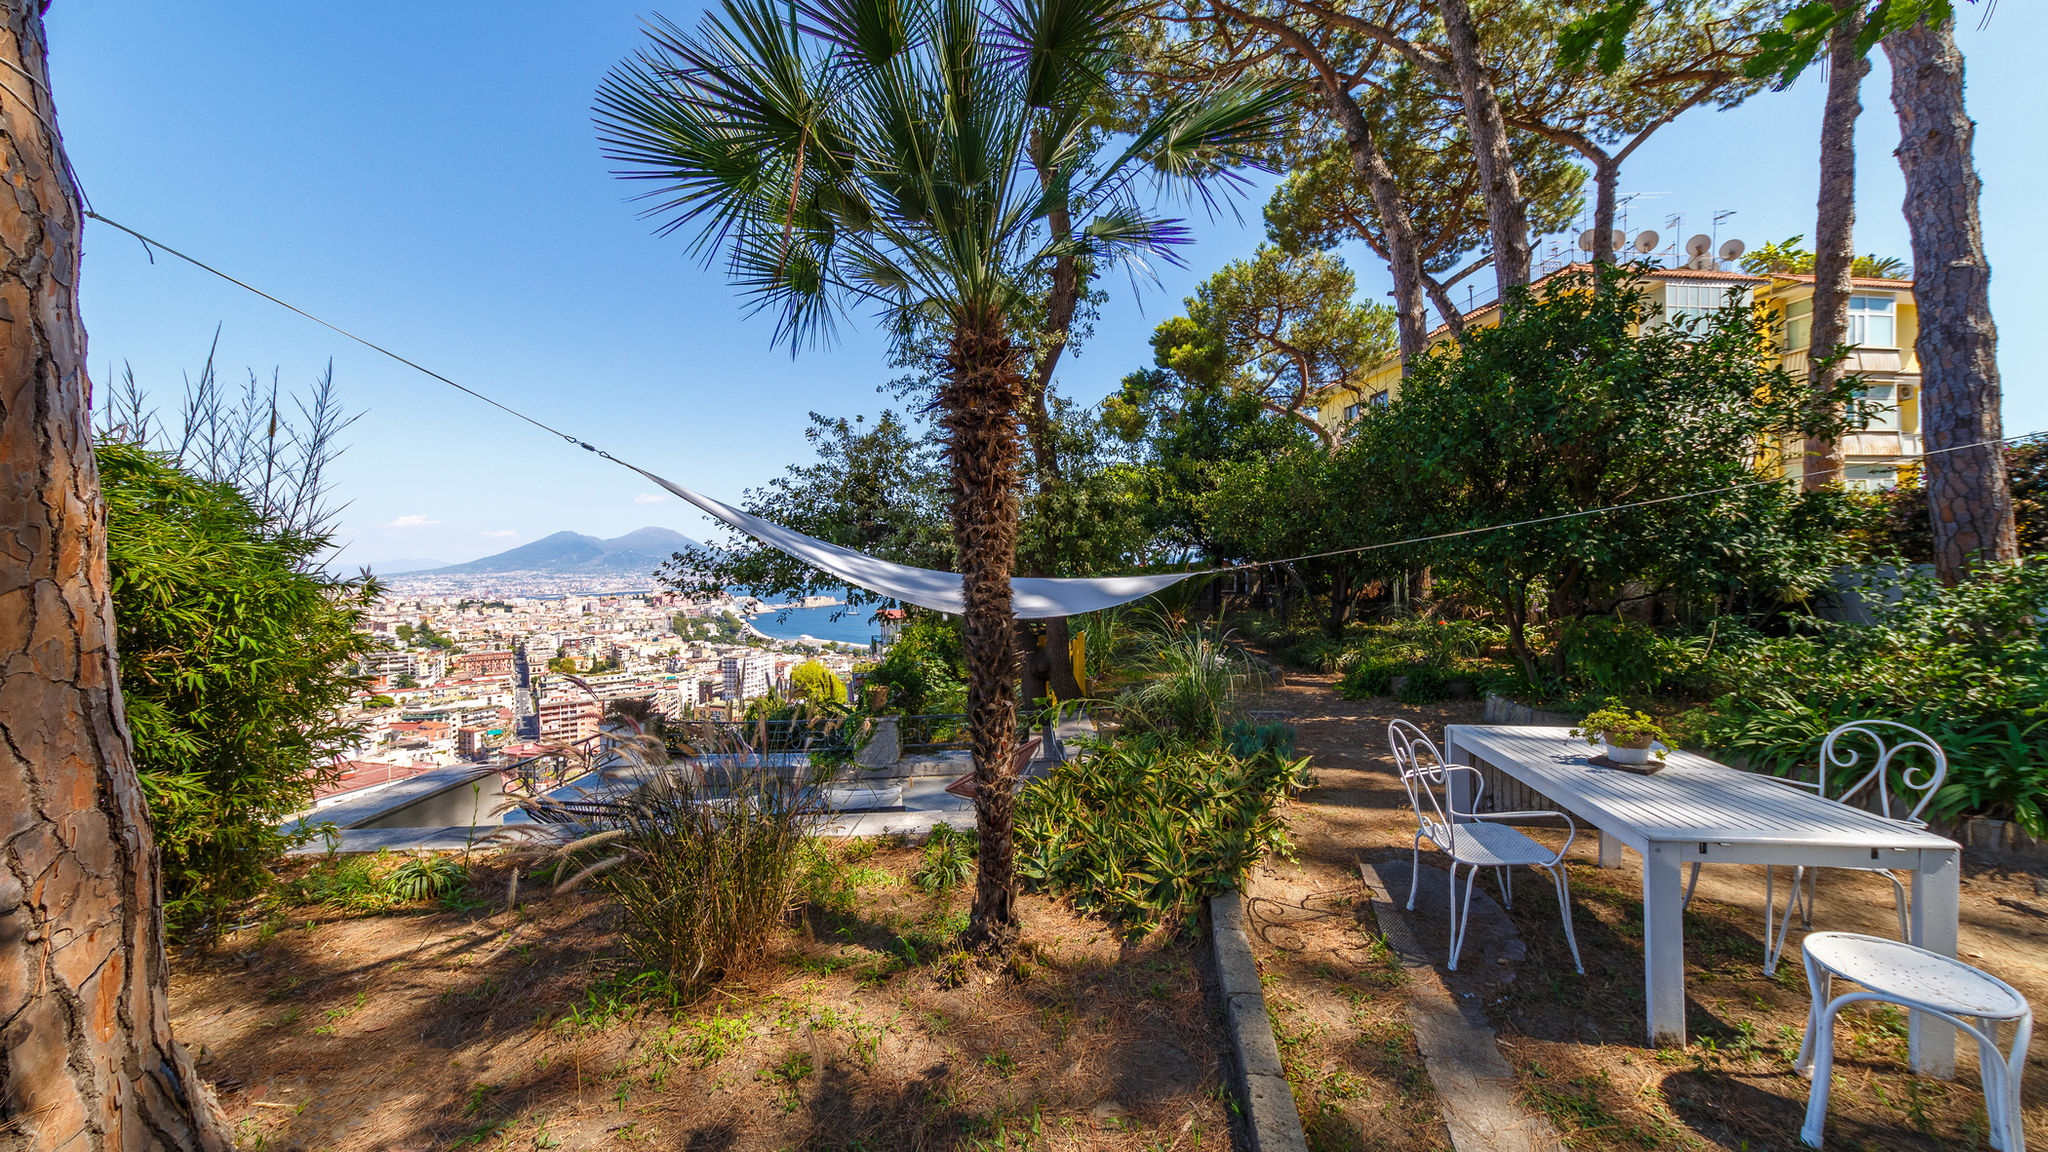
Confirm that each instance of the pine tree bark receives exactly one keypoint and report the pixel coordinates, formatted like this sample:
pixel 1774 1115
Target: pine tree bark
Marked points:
pixel 978 403
pixel 1969 500
pixel 1834 239
pixel 1507 214
pixel 86 1055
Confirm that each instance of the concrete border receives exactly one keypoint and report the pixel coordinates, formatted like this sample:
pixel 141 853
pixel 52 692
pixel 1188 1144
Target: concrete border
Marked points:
pixel 1270 1115
pixel 1475 1087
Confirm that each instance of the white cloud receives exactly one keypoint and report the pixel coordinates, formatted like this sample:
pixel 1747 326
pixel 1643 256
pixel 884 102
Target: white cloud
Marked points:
pixel 498 533
pixel 648 498
pixel 414 520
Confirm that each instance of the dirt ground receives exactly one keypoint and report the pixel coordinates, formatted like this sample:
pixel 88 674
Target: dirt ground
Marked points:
pixel 492 1029
pixel 1576 1042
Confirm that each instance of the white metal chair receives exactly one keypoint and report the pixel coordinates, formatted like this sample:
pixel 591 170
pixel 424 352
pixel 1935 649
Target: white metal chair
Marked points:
pixel 1887 789
pixel 1915 978
pixel 1467 838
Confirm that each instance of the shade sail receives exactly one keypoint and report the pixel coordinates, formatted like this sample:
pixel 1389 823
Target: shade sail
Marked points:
pixel 1031 597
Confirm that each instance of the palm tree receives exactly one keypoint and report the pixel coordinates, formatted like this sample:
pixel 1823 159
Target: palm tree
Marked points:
pixel 912 155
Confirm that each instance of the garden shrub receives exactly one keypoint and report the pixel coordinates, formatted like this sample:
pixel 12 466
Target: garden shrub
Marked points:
pixel 924 669
pixel 1369 678
pixel 237 654
pixel 1967 664
pixel 1246 739
pixel 1424 684
pixel 1193 677
pixel 1147 827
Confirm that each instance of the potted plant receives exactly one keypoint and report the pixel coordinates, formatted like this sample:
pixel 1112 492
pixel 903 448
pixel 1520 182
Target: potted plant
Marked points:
pixel 1630 737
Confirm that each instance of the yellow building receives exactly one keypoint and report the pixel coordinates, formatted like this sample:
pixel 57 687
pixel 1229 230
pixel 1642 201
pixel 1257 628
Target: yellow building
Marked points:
pixel 1883 323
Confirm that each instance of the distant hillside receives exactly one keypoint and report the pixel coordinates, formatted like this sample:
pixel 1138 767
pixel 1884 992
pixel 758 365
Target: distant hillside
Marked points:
pixel 637 553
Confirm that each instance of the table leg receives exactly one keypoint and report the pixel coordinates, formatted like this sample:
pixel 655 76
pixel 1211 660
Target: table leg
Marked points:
pixel 1610 851
pixel 1937 893
pixel 1664 943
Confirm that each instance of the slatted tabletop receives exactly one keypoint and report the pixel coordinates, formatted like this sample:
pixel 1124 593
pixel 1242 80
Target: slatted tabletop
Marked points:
pixel 1690 798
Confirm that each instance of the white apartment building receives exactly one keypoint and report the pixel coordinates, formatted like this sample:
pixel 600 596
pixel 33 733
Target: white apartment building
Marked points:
pixel 746 677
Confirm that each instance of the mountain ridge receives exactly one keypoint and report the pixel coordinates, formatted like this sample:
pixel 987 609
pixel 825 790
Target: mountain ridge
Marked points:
pixel 638 552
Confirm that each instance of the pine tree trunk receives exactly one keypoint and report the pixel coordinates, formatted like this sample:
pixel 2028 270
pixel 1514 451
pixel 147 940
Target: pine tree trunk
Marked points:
pixel 1606 189
pixel 1834 240
pixel 1404 260
pixel 1507 215
pixel 86 1055
pixel 1968 498
pixel 979 404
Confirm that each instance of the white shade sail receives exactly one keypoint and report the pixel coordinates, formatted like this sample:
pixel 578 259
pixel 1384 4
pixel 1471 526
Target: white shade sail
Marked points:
pixel 1031 597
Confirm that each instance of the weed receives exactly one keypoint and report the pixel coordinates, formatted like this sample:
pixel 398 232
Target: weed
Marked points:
pixel 1000 1062
pixel 478 1093
pixel 715 1038
pixel 788 1074
pixel 947 860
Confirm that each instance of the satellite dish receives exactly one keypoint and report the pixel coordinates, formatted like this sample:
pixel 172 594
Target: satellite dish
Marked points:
pixel 1732 249
pixel 1646 242
pixel 1699 245
pixel 1620 239
pixel 1586 240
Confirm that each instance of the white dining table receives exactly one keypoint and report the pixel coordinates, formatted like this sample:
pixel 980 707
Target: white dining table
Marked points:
pixel 1694 810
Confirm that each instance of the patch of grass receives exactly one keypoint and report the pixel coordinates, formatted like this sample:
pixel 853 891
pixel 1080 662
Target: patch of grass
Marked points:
pixel 1579 1110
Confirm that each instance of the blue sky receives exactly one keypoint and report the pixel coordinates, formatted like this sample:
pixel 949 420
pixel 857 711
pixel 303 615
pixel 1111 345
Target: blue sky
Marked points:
pixel 427 175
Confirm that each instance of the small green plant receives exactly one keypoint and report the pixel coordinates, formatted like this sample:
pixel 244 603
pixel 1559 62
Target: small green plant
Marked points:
pixel 948 859
pixel 714 1039
pixel 788 1074
pixel 426 878
pixel 1621 728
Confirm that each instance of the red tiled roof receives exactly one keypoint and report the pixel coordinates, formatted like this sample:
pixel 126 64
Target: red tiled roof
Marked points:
pixel 1858 281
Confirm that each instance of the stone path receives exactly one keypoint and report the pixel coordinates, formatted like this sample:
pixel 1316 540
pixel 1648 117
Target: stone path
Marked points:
pixel 1378 1049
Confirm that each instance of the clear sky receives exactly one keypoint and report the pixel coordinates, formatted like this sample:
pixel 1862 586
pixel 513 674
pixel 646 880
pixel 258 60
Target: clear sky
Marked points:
pixel 427 175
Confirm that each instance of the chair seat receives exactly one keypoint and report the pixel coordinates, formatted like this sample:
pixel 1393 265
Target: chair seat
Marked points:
pixel 1489 845
pixel 1915 975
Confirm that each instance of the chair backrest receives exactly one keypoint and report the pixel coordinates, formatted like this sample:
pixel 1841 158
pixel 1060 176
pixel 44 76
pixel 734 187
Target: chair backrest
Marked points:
pixel 1427 777
pixel 1888 784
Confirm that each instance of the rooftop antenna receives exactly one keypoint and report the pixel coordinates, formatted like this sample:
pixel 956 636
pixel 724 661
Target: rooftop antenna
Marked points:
pixel 1723 214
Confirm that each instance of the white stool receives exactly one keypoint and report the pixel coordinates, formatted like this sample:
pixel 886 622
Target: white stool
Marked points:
pixel 1924 981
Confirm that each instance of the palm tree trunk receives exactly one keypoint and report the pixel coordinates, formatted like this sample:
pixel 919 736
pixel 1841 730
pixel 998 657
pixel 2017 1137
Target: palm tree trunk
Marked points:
pixel 1507 215
pixel 1834 241
pixel 1969 500
pixel 979 403
pixel 86 1055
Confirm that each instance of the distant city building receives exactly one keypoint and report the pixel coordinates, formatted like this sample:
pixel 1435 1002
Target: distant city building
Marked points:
pixel 746 677
pixel 567 719
pixel 486 664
